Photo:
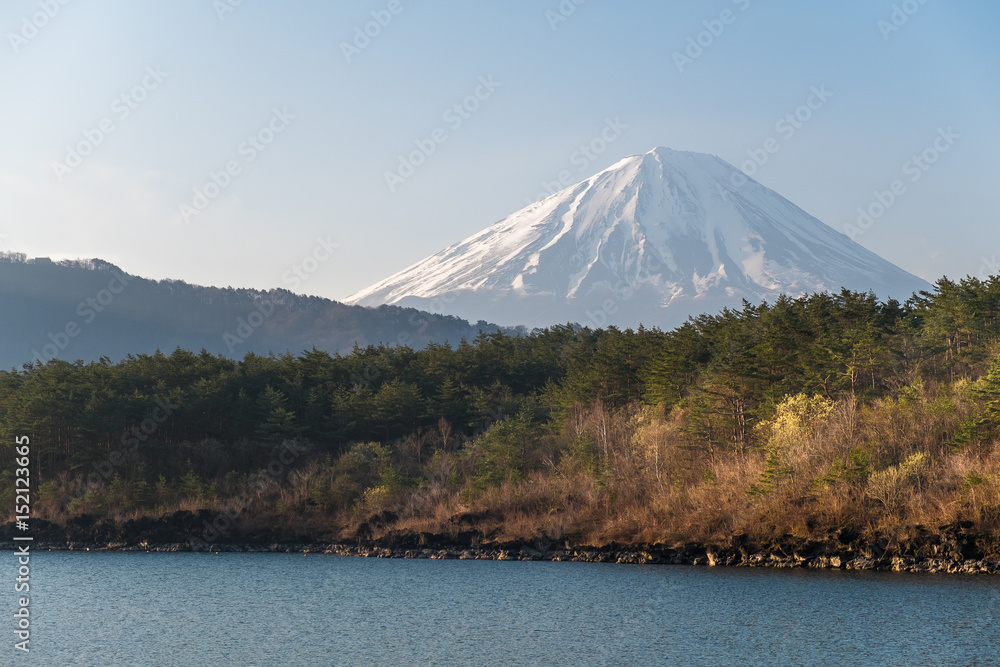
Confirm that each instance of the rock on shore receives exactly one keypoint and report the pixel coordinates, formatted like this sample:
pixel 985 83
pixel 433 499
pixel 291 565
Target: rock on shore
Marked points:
pixel 950 549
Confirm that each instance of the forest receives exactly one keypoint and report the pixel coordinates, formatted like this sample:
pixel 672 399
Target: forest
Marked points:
pixel 802 417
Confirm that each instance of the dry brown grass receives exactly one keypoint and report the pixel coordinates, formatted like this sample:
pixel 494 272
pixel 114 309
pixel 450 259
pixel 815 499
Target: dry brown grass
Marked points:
pixel 637 476
pixel 871 469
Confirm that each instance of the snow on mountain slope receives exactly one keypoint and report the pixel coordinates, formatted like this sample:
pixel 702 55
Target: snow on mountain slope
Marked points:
pixel 652 239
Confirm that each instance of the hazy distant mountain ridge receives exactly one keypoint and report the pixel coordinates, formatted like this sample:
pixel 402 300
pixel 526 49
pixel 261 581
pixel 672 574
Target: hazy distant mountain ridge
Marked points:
pixel 88 309
pixel 652 239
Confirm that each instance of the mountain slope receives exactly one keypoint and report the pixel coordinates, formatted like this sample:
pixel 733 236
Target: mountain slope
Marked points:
pixel 91 309
pixel 652 239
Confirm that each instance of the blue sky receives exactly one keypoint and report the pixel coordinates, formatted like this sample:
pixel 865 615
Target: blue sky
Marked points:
pixel 300 135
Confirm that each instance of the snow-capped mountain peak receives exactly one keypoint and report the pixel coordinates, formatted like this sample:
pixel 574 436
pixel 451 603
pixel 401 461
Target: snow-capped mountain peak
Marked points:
pixel 652 239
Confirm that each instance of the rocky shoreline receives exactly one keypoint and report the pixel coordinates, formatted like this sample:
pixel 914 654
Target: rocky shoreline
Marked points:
pixel 951 549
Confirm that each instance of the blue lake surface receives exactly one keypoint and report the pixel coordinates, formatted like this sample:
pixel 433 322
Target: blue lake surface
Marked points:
pixel 282 609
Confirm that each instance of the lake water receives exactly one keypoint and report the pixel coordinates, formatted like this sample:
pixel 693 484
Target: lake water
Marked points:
pixel 279 609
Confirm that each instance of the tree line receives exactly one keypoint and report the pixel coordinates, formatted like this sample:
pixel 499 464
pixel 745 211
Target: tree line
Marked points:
pixel 500 407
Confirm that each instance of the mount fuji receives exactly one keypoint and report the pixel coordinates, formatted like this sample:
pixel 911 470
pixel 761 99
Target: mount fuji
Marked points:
pixel 653 239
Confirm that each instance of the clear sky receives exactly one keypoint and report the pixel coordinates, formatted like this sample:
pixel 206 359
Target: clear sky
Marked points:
pixel 308 127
